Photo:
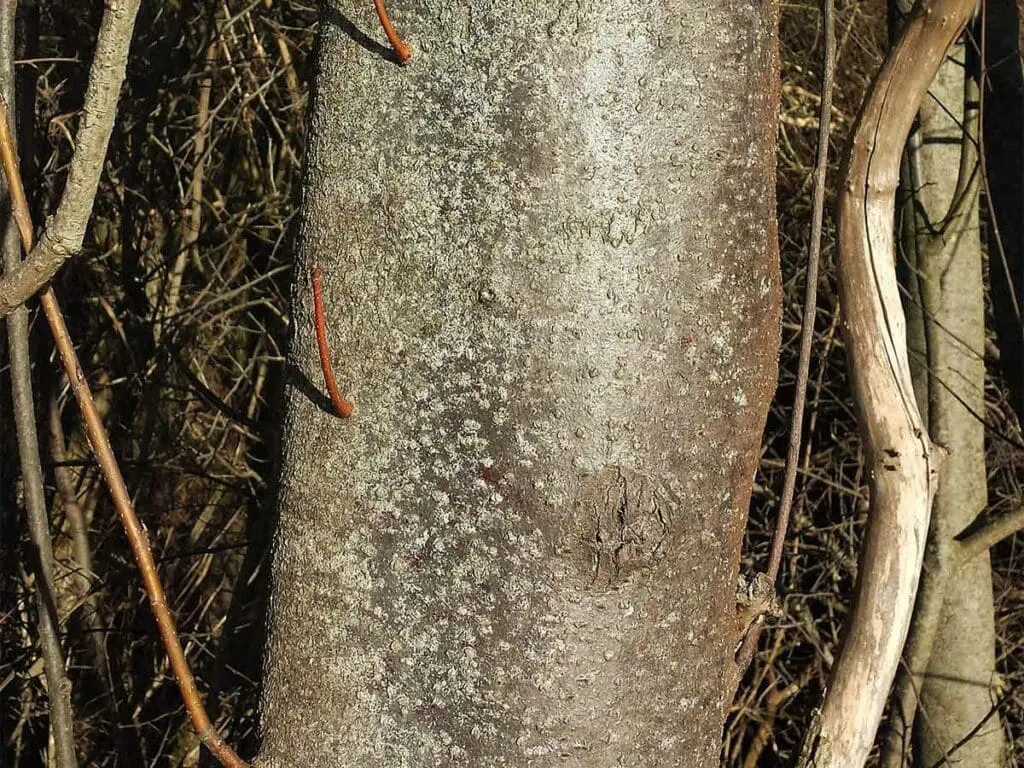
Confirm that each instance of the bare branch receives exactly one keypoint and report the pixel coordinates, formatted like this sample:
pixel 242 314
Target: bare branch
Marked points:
pixel 901 458
pixel 66 229
pixel 100 442
pixel 58 687
pixel 990 534
pixel 188 245
pixel 83 576
pixel 940 244
pixel 749 644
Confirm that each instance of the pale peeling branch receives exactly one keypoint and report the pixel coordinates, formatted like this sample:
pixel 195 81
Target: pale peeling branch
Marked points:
pixel 65 231
pixel 900 456
pixel 950 646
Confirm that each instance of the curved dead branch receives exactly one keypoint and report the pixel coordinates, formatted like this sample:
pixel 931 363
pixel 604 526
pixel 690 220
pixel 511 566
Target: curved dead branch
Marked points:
pixel 900 456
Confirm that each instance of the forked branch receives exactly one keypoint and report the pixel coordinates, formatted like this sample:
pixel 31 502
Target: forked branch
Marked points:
pixel 66 230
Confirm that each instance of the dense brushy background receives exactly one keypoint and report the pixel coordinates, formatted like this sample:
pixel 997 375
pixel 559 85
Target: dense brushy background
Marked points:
pixel 179 306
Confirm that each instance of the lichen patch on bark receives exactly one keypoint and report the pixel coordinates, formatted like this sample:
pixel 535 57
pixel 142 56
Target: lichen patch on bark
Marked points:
pixel 548 247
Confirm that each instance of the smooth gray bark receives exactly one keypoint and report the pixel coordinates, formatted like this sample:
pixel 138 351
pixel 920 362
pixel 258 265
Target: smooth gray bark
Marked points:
pixel 951 648
pixel 550 265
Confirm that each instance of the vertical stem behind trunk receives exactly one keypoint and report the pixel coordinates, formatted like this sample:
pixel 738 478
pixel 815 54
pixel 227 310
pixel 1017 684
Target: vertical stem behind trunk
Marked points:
pixel 950 654
pixel 900 456
pixel 58 687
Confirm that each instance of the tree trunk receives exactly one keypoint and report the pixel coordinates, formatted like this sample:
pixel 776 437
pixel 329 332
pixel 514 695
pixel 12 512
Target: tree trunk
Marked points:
pixel 552 286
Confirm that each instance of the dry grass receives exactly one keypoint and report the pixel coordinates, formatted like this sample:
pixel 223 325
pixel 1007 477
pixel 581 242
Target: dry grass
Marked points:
pixel 180 311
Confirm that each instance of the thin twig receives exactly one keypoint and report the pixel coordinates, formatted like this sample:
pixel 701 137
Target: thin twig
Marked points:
pixel 402 50
pixel 811 294
pixel 83 576
pixel 188 244
pixel 63 235
pixel 749 644
pixel 97 434
pixel 343 407
pixel 58 687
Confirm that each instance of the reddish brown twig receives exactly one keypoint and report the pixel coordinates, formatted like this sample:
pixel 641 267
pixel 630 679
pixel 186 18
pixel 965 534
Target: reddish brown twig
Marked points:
pixel 100 443
pixel 402 50
pixel 342 406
